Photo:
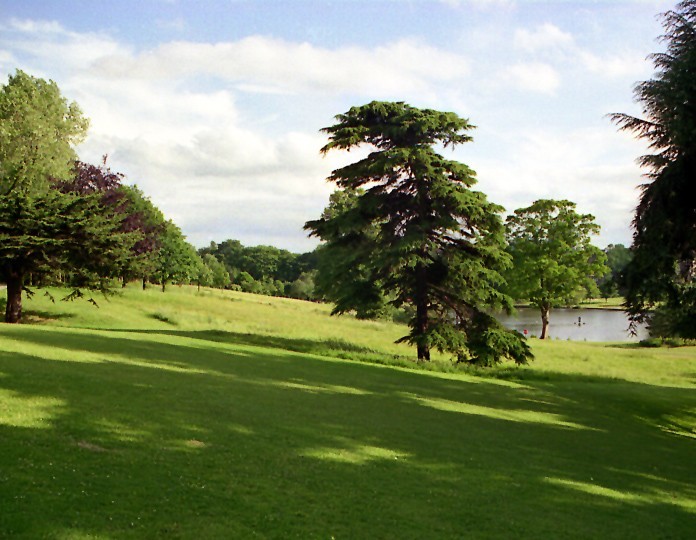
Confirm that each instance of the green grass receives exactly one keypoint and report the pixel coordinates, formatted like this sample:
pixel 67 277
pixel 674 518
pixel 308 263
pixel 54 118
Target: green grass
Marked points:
pixel 225 415
pixel 603 303
pixel 613 303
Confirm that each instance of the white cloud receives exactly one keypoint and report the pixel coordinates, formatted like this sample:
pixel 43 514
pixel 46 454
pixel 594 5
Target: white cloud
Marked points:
pixel 549 42
pixel 52 45
pixel 534 77
pixel 276 65
pixel 542 38
pixel 624 64
pixel 28 26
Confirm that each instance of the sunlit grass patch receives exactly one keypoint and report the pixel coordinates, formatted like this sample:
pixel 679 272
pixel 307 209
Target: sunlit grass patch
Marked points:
pixel 655 496
pixel 357 454
pixel 508 414
pixel 28 411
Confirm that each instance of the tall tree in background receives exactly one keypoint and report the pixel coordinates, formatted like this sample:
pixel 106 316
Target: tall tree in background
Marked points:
pixel 663 269
pixel 176 259
pixel 219 276
pixel 147 221
pixel 438 245
pixel 553 261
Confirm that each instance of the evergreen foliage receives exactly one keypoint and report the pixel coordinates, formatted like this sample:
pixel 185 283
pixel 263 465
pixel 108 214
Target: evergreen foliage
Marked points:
pixel 417 234
pixel 663 270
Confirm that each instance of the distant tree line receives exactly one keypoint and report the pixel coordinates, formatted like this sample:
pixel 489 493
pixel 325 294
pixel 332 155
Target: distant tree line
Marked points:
pixel 67 222
pixel 264 269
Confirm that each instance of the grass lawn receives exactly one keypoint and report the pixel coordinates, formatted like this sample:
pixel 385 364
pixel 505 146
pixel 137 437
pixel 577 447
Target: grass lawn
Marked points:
pixel 613 303
pixel 225 415
pixel 603 303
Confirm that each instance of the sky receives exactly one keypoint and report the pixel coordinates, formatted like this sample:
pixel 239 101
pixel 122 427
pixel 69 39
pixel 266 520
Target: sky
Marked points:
pixel 214 107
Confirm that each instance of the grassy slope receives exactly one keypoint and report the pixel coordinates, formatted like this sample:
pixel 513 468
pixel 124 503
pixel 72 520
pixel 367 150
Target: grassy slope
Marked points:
pixel 228 415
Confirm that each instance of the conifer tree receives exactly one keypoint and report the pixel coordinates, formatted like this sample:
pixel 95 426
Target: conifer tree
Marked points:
pixel 418 232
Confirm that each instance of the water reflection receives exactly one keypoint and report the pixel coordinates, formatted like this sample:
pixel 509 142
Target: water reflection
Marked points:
pixel 575 324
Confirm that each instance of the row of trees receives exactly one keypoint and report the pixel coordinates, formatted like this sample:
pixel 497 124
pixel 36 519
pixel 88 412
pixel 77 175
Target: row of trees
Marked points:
pixel 553 264
pixel 72 222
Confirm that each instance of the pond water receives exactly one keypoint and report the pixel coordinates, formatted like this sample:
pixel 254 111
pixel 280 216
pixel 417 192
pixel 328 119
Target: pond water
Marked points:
pixel 575 324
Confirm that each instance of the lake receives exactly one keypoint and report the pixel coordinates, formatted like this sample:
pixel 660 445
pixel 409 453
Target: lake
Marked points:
pixel 594 324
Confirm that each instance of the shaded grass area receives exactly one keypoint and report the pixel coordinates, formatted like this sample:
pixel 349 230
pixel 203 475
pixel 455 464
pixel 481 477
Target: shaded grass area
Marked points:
pixel 183 433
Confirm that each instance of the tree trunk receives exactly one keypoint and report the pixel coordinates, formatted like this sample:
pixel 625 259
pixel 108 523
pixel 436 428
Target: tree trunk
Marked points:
pixel 545 309
pixel 164 284
pixel 125 281
pixel 13 310
pixel 144 282
pixel 421 314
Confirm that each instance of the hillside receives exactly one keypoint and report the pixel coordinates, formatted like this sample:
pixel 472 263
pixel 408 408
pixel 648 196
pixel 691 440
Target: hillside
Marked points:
pixel 226 415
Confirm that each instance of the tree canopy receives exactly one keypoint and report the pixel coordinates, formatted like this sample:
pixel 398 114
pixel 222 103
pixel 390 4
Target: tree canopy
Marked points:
pixel 44 228
pixel 663 269
pixel 176 260
pixel 38 130
pixel 554 263
pixel 417 232
pixel 618 257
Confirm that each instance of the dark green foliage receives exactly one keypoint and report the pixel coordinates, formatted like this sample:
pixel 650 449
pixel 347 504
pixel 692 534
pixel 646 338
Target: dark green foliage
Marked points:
pixel 264 269
pixel 144 219
pixel 176 260
pixel 488 340
pixel 405 229
pixel 342 277
pixel 135 212
pixel 53 231
pixel 618 257
pixel 663 269
pixel 554 263
pixel 676 317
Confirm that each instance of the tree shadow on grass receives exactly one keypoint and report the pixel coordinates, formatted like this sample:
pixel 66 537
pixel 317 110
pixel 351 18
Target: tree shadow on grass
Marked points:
pixel 159 435
pixel 35 316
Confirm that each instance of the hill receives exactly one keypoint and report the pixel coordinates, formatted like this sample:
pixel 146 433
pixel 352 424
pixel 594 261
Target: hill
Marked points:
pixel 227 415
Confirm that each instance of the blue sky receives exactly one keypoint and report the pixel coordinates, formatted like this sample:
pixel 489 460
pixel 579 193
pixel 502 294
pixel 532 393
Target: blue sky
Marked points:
pixel 214 107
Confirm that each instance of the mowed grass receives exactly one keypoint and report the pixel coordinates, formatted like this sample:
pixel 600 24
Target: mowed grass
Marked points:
pixel 224 415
